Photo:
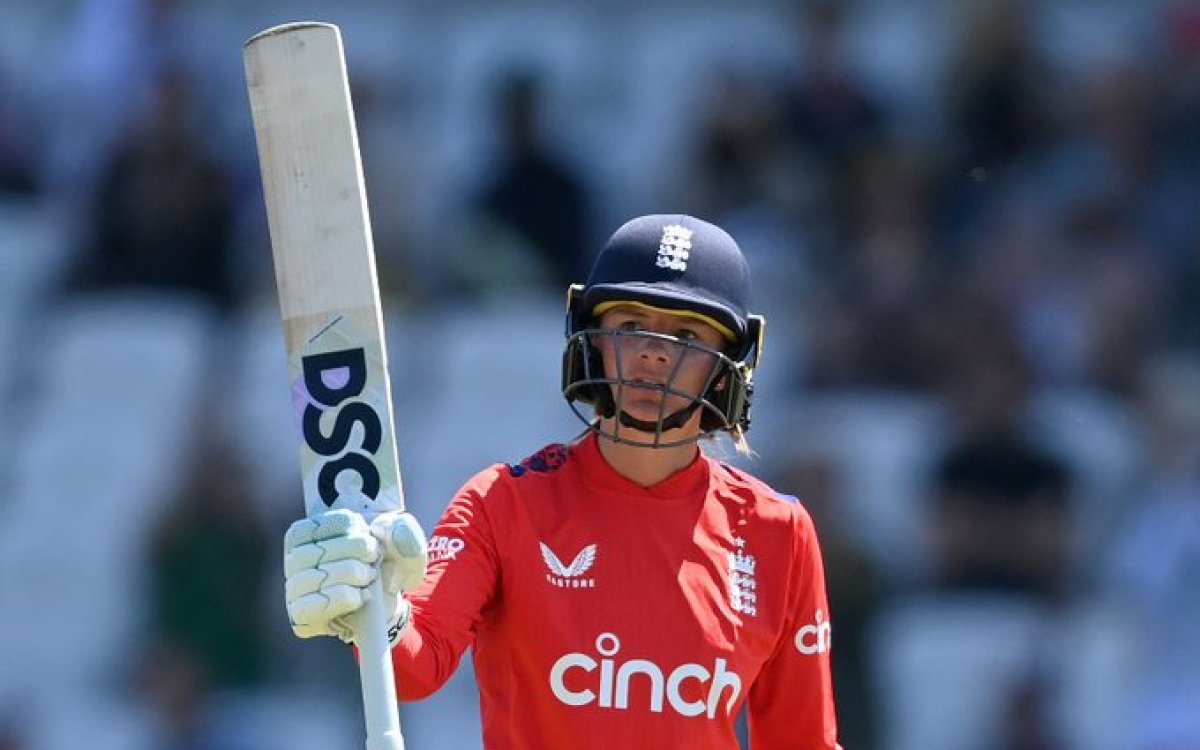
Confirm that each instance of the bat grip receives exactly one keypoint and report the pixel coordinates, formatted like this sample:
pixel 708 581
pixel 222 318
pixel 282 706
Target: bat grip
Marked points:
pixel 377 676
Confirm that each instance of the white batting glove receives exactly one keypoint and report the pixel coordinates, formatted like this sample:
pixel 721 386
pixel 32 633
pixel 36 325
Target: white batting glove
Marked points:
pixel 331 559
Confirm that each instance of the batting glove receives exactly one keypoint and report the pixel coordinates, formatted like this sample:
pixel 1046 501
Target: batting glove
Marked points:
pixel 330 560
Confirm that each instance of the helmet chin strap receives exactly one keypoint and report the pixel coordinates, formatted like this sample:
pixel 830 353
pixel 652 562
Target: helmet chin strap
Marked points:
pixel 670 422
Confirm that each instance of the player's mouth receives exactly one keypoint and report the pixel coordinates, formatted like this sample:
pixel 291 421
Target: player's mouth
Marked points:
pixel 645 383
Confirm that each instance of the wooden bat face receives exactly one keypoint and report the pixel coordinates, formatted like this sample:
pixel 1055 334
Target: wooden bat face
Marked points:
pixel 324 268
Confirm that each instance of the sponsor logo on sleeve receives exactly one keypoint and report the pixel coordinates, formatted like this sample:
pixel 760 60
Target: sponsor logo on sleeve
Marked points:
pixel 816 637
pixel 445 548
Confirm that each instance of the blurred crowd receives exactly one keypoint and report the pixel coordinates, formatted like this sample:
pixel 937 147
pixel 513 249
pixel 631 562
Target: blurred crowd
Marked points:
pixel 976 233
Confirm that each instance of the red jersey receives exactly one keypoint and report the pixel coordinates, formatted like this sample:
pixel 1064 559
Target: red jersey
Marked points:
pixel 607 615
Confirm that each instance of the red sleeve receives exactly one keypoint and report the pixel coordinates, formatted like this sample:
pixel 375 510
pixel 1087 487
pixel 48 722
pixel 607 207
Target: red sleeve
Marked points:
pixel 791 701
pixel 447 607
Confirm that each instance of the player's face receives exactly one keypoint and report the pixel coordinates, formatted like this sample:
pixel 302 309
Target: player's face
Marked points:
pixel 648 364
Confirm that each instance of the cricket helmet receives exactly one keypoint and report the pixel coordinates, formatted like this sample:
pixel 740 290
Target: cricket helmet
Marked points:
pixel 678 264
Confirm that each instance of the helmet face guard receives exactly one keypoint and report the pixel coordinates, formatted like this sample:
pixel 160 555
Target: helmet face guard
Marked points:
pixel 677 264
pixel 723 399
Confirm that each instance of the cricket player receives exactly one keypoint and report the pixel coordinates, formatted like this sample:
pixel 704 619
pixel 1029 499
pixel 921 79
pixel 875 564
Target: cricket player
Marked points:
pixel 624 590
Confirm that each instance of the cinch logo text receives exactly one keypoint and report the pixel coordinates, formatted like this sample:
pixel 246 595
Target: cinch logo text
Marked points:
pixel 332 379
pixel 689 689
pixel 815 638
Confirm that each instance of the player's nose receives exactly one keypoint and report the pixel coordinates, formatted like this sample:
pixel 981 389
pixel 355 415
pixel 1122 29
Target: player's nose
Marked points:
pixel 652 348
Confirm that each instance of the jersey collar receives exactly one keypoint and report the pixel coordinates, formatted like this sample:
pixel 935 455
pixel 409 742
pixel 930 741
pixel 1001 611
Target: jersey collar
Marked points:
pixel 688 482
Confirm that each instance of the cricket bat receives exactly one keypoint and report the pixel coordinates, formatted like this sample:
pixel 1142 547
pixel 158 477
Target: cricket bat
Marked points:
pixel 329 297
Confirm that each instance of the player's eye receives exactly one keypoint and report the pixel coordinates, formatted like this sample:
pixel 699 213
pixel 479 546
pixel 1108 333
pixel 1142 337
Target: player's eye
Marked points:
pixel 687 334
pixel 629 325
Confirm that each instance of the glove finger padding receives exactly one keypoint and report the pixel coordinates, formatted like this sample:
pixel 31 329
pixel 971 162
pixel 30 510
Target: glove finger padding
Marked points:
pixel 364 549
pixel 405 551
pixel 330 525
pixel 339 573
pixel 323 612
pixel 329 560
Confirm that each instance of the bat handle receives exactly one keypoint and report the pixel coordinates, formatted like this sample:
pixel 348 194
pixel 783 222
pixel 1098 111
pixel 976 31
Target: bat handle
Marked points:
pixel 377 676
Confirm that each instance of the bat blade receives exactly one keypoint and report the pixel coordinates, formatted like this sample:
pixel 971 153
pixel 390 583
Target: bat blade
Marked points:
pixel 329 299
pixel 324 267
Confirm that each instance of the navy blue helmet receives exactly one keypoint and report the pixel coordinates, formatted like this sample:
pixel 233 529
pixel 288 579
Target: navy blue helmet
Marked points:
pixel 676 263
